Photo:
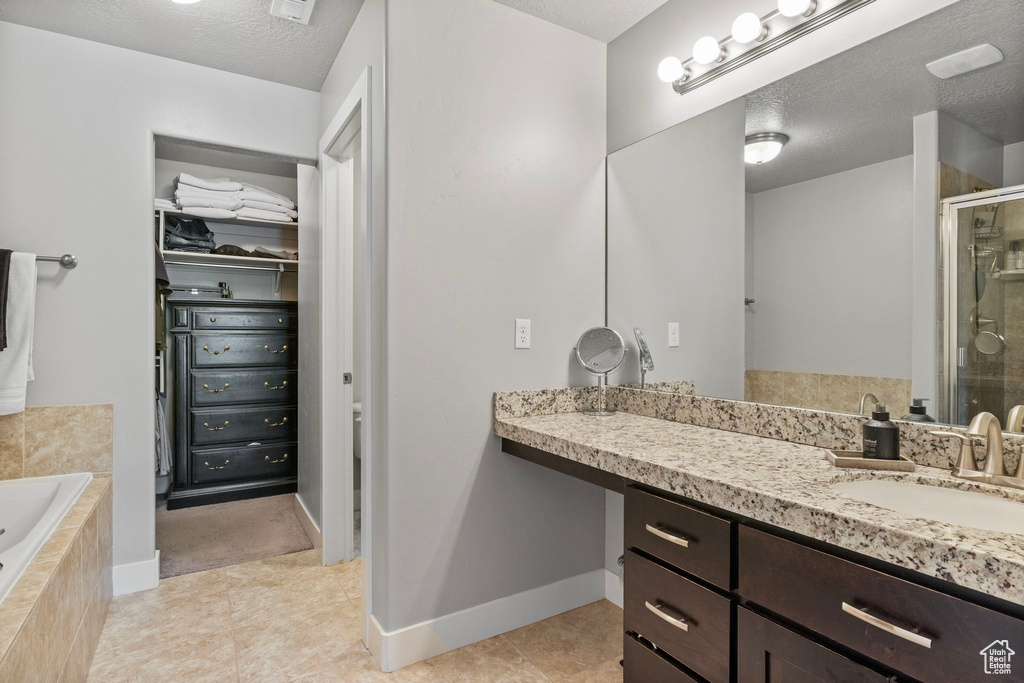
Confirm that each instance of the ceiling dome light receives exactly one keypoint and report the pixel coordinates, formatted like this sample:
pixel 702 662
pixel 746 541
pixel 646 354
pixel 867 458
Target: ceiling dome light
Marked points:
pixel 671 69
pixel 795 8
pixel 763 147
pixel 708 50
pixel 747 28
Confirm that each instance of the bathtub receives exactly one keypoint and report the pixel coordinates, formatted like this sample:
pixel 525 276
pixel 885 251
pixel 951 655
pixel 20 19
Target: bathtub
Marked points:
pixel 30 511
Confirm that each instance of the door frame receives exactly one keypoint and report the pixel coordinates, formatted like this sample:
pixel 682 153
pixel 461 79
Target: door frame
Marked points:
pixel 336 249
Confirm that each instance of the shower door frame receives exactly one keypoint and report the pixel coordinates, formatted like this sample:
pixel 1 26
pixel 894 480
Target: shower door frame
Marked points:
pixel 949 265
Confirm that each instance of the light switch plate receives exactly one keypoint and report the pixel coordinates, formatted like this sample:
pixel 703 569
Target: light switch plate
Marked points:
pixel 673 335
pixel 522 333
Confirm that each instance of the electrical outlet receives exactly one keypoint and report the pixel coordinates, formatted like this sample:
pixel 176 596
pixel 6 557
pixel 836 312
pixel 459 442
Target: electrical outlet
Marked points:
pixel 522 333
pixel 673 335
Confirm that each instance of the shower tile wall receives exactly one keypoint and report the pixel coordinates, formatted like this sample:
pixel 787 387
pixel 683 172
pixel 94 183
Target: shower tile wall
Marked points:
pixel 837 393
pixel 47 440
pixel 1013 315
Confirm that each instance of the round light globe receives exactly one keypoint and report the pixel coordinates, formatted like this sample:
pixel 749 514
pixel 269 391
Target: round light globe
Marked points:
pixel 670 70
pixel 707 50
pixel 763 147
pixel 747 28
pixel 794 8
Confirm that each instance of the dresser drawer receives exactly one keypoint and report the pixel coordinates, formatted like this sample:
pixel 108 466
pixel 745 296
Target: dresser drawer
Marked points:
pixel 925 634
pixel 700 639
pixel 680 535
pixel 266 385
pixel 217 350
pixel 643 665
pixel 220 319
pixel 215 465
pixel 243 424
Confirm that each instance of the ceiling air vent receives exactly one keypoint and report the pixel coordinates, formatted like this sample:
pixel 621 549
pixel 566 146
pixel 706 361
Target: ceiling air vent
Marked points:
pixel 292 10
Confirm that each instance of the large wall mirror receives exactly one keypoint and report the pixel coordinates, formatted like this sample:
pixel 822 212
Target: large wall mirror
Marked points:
pixel 879 255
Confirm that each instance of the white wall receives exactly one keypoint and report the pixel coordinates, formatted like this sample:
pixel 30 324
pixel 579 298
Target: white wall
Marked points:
pixel 964 148
pixel 832 267
pixel 496 211
pixel 676 222
pixel 1013 164
pixel 76 175
pixel 639 104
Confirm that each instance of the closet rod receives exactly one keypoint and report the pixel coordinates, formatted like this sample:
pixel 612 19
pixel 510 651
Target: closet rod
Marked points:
pixel 66 261
pixel 171 262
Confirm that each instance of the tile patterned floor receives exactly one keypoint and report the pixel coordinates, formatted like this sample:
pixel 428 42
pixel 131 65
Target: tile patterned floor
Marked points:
pixel 289 619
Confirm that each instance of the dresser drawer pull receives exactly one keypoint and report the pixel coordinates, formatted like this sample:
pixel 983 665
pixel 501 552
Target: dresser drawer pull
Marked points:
pixel 216 353
pixel 284 349
pixel 216 391
pixel 274 462
pixel 276 424
pixel 676 619
pixel 665 536
pixel 903 633
pixel 280 386
pixel 280 321
pixel 213 320
pixel 215 429
pixel 216 467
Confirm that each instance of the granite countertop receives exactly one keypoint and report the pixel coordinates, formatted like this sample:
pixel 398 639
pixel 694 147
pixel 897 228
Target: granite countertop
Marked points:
pixel 786 485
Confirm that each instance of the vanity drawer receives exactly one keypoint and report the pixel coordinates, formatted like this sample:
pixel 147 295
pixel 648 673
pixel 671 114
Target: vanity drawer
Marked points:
pixel 641 664
pixel 219 319
pixel 268 385
pixel 680 535
pixel 652 590
pixel 215 465
pixel 243 424
pixel 862 609
pixel 215 350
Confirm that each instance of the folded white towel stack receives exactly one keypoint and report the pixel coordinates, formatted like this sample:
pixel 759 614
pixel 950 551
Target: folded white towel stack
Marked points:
pixel 222 198
pixel 16 359
pixel 217 184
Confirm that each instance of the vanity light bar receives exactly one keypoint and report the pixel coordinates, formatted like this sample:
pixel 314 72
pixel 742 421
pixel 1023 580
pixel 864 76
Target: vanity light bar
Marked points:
pixel 780 28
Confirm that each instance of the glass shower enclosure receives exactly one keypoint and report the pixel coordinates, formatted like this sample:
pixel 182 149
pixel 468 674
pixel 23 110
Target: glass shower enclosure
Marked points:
pixel 982 319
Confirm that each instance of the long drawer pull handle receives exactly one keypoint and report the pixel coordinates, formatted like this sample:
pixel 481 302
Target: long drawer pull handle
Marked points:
pixel 274 462
pixel 276 424
pixel 280 386
pixel 677 620
pixel 671 538
pixel 216 353
pixel 903 633
pixel 284 349
pixel 215 429
pixel 216 467
pixel 216 391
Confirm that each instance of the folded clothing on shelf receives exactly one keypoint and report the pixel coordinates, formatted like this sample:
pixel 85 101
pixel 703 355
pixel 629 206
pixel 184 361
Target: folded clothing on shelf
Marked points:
pixel 263 215
pixel 207 212
pixel 165 204
pixel 267 206
pixel 215 184
pixel 262 194
pixel 188 234
pixel 230 201
pixel 282 254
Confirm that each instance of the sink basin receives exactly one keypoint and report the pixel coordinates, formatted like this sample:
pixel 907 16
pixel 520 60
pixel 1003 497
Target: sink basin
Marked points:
pixel 967 508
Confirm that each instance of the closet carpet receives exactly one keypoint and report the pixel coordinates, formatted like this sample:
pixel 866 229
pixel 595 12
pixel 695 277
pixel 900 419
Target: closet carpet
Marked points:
pixel 212 536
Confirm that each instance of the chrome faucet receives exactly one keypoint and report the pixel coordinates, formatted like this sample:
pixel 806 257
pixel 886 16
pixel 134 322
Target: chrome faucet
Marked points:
pixel 987 425
pixel 864 399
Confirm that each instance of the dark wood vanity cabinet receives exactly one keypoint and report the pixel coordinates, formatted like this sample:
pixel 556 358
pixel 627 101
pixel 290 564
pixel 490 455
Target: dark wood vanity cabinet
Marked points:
pixel 723 601
pixel 235 384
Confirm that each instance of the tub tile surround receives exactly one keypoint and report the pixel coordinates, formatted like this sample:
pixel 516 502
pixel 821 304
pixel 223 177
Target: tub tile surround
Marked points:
pixel 766 463
pixel 47 440
pixel 51 620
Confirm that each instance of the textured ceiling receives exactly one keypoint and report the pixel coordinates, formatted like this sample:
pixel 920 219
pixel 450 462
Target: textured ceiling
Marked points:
pixel 238 36
pixel 857 108
pixel 601 19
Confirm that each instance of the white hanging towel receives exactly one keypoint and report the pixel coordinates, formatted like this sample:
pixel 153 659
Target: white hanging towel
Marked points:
pixel 16 359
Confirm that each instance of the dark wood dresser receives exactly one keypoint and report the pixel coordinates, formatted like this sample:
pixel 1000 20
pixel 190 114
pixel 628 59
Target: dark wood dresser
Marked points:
pixel 234 383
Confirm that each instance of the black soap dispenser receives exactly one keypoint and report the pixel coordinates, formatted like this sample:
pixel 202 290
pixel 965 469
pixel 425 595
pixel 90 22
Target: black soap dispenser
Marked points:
pixel 918 413
pixel 881 437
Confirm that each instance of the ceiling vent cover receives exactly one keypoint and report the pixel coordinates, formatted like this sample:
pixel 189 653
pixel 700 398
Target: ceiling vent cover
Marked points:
pixel 292 10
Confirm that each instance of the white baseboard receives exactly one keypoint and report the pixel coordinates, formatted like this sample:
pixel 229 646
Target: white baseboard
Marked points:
pixel 308 525
pixel 613 588
pixel 137 576
pixel 396 649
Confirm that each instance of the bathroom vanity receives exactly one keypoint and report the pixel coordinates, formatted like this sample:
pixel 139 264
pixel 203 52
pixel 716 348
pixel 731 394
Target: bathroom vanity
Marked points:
pixel 742 563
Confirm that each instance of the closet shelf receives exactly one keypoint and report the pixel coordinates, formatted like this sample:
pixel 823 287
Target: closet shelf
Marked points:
pixel 224 260
pixel 253 222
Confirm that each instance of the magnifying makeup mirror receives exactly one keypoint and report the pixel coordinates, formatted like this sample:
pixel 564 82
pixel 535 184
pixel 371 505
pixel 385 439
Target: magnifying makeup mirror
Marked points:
pixel 600 350
pixel 646 361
